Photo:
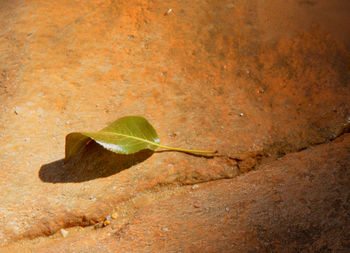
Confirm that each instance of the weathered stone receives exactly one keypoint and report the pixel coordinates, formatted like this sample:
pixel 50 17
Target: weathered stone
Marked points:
pixel 252 82
pixel 300 202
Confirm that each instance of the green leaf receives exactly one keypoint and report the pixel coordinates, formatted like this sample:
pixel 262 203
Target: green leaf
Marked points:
pixel 126 135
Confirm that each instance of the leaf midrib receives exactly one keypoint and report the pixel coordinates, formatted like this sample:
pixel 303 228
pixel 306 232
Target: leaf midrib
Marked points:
pixel 158 144
pixel 131 137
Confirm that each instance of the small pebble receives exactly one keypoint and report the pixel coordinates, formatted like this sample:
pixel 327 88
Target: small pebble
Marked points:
pixel 64 232
pixel 114 216
pixel 241 114
pixel 169 11
pixel 196 205
pixel 195 187
pixel 227 209
pixel 106 223
pixel 26 139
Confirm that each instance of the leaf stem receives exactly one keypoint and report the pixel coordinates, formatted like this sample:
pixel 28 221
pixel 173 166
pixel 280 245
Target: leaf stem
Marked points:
pixel 186 150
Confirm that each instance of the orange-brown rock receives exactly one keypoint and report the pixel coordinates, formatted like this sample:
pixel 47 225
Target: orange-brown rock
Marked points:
pixel 253 79
pixel 297 203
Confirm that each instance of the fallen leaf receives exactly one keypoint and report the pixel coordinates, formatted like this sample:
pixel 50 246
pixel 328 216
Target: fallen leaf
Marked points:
pixel 126 135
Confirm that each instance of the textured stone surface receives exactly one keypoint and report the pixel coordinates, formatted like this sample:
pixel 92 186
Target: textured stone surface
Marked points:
pixel 297 203
pixel 225 75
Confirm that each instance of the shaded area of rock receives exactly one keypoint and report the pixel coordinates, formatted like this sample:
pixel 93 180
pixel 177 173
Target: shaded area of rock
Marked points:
pixel 300 202
pixel 93 162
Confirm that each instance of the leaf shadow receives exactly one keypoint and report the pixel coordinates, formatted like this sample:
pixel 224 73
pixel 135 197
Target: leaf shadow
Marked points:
pixel 92 162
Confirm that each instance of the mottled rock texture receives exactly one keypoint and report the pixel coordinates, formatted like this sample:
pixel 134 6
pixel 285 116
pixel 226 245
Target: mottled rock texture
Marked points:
pixel 297 203
pixel 255 80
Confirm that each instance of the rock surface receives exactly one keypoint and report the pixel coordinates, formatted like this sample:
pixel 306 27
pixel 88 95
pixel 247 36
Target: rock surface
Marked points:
pixel 297 203
pixel 253 79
